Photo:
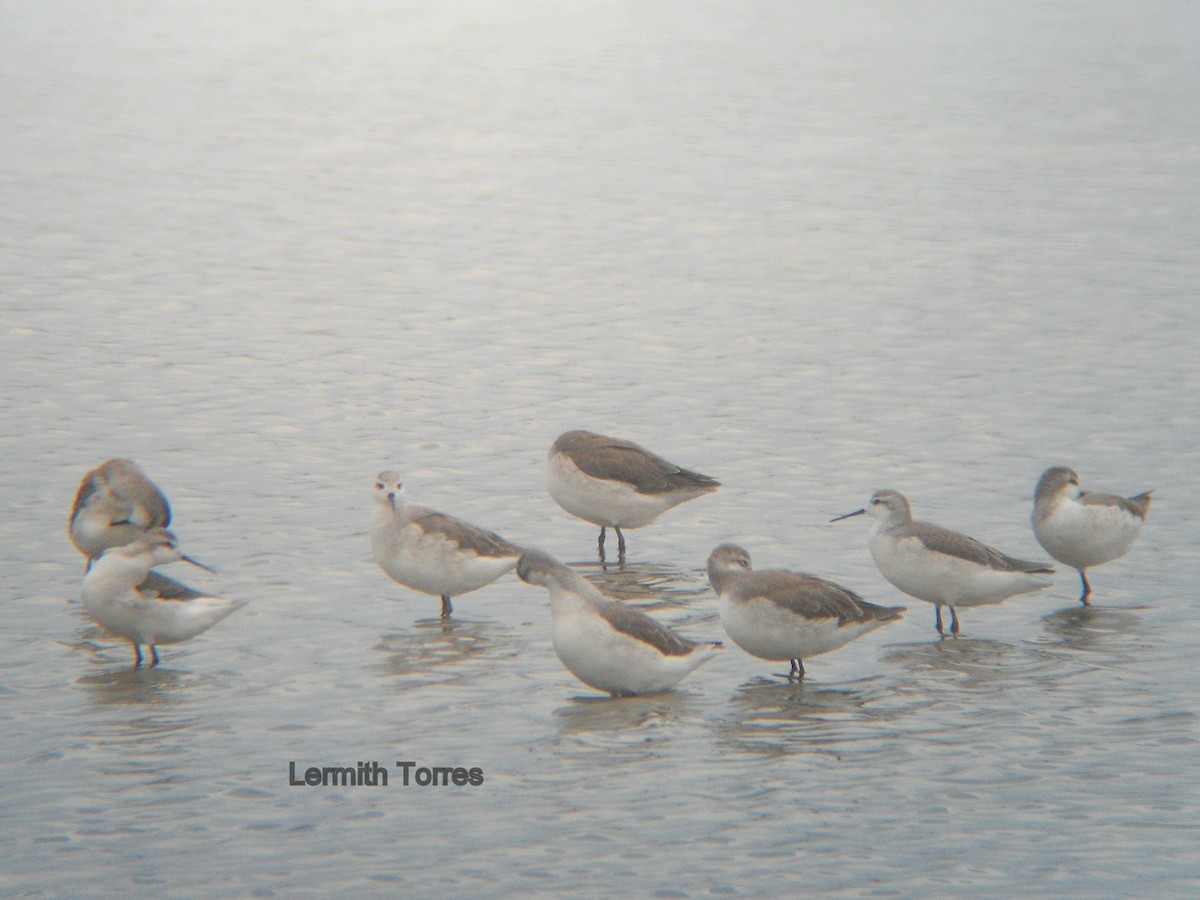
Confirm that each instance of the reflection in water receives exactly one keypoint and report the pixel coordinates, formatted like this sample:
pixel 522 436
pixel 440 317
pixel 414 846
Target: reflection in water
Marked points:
pixel 779 718
pixel 793 700
pixel 623 728
pixel 642 581
pixel 978 661
pixel 127 685
pixel 443 651
pixel 144 738
pixel 117 680
pixel 1089 628
pixel 658 587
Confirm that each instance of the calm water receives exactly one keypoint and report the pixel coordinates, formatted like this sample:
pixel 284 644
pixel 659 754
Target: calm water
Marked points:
pixel 270 249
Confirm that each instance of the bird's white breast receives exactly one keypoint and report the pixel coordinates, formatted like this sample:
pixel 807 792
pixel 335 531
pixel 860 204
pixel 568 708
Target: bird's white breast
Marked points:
pixel 432 563
pixel 766 630
pixel 609 660
pixel 1082 535
pixel 942 578
pixel 601 501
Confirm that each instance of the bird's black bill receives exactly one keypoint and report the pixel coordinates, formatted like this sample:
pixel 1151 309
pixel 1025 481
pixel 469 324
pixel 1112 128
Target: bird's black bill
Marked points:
pixel 849 515
pixel 199 565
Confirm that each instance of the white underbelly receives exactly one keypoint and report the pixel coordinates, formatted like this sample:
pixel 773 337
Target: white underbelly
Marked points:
pixel 764 630
pixel 154 621
pixel 432 564
pixel 611 661
pixel 947 580
pixel 1081 536
pixel 602 501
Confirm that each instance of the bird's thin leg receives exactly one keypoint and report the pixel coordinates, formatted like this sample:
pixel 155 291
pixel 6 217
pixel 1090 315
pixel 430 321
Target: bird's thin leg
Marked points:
pixel 953 621
pixel 1087 588
pixel 600 545
pixel 447 609
pixel 137 655
pixel 620 544
pixel 938 607
pixel 154 654
pixel 797 669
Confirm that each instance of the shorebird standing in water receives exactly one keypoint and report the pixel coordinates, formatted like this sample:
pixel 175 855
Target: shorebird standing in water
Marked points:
pixel 780 615
pixel 123 596
pixel 941 566
pixel 1084 528
pixel 615 483
pixel 605 643
pixel 115 505
pixel 432 552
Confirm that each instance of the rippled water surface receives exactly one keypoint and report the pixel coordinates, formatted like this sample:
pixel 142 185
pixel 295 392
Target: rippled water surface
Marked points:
pixel 270 249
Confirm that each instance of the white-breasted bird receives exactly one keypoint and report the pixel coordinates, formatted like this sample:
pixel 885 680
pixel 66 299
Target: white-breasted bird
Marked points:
pixel 432 552
pixel 123 596
pixel 606 644
pixel 778 614
pixel 1081 528
pixel 615 483
pixel 940 566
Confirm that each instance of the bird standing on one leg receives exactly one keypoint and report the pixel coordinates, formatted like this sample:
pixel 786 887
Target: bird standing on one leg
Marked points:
pixel 432 552
pixel 1084 528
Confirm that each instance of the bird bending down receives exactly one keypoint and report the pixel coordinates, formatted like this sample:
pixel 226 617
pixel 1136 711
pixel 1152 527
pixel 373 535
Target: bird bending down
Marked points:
pixel 1084 528
pixel 777 614
pixel 115 505
pixel 606 644
pixel 616 483
pixel 941 566
pixel 123 596
pixel 431 552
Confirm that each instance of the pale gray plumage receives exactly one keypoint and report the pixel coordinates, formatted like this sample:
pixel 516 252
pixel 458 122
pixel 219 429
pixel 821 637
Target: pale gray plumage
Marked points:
pixel 617 459
pixel 607 644
pixel 125 596
pixel 780 614
pixel 433 552
pixel 116 503
pixel 940 566
pixel 1084 528
pixel 613 482
pixel 621 617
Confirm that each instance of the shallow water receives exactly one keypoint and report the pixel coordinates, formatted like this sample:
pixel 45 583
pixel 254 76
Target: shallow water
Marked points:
pixel 270 251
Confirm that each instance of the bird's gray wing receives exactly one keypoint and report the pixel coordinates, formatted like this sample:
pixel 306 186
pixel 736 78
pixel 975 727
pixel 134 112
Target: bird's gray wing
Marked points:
pixel 616 459
pixel 641 627
pixel 807 595
pixel 129 483
pixel 961 546
pixel 164 588
pixel 88 487
pixel 1136 506
pixel 465 535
